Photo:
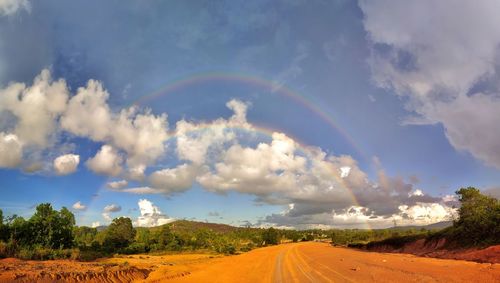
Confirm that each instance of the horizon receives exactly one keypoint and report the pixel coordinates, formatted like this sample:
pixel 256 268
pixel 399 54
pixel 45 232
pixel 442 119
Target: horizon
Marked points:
pixel 293 115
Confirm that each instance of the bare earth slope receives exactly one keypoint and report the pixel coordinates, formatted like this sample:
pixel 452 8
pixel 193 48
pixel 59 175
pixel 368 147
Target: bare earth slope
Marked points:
pixel 300 262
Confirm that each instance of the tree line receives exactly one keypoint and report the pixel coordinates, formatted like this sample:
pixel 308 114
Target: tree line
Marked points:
pixel 51 234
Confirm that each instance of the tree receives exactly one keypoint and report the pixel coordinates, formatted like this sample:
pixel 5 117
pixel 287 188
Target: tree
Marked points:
pixel 119 234
pixel 51 228
pixel 479 217
pixel 4 231
pixel 270 236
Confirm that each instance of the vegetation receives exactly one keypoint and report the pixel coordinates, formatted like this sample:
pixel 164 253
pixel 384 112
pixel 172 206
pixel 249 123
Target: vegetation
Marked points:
pixel 478 224
pixel 51 234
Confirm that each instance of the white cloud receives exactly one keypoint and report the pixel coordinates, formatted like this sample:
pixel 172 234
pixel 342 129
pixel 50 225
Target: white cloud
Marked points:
pixel 79 206
pixel 222 155
pixel 11 150
pixel 140 135
pixel 417 192
pixel 143 190
pixel 112 208
pixel 344 171
pixel 95 224
pixel 107 161
pixel 151 215
pixel 108 209
pixel 107 216
pixel 10 7
pixel 444 58
pixel 35 108
pixel 66 164
pixel 426 213
pixel 174 180
pixel 117 184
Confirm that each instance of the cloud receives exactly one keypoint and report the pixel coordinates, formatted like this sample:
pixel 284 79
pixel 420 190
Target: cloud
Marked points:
pixel 213 214
pixel 10 7
pixel 140 135
pixel 35 108
pixel 108 209
pixel 151 215
pixel 117 184
pixel 174 180
pixel 107 162
pixel 446 67
pixel 223 155
pixel 112 208
pixel 95 224
pixel 11 150
pixel 66 164
pixel 142 190
pixel 79 206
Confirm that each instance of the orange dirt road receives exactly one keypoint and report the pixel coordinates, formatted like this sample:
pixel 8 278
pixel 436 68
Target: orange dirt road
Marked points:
pixel 320 262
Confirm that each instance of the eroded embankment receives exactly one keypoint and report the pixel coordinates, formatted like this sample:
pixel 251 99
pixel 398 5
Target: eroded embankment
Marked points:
pixel 438 248
pixel 14 270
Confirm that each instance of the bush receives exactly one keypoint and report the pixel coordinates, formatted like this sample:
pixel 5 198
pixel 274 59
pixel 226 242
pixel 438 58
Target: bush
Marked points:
pixel 4 250
pixel 135 248
pixel 87 255
pixel 25 253
pixel 228 249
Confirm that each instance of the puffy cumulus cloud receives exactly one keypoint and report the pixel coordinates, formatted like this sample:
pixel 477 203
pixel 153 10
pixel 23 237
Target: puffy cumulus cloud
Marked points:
pixel 88 114
pixel 66 164
pixel 151 215
pixel 261 170
pixel 117 184
pixel 79 206
pixel 11 150
pixel 425 213
pixel 38 113
pixel 36 108
pixel 107 161
pixel 222 155
pixel 240 109
pixel 10 7
pixel 194 140
pixel 445 62
pixel 140 135
pixel 95 224
pixel 177 179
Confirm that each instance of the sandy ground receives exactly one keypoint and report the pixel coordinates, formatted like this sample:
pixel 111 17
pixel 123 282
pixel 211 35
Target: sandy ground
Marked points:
pixel 300 262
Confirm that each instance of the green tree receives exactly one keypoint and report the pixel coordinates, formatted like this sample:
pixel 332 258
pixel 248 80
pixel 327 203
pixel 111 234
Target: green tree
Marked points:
pixel 4 229
pixel 270 236
pixel 479 217
pixel 51 228
pixel 119 234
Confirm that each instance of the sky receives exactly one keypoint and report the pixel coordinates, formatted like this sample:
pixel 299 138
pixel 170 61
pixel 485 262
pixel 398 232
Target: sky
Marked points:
pixel 292 114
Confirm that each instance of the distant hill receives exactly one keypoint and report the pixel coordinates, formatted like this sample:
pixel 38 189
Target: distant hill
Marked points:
pixel 189 226
pixel 433 226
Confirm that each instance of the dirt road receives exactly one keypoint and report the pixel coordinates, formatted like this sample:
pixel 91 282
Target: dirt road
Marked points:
pixel 320 262
pixel 300 262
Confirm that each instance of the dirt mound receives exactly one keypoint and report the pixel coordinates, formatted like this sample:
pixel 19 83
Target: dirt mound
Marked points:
pixel 438 249
pixel 13 270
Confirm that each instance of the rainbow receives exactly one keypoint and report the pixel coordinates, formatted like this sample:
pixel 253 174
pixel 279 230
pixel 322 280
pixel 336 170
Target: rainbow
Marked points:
pixel 203 78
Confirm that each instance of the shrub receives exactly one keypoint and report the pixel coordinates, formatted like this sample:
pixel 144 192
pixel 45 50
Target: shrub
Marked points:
pixel 228 249
pixel 4 250
pixel 88 255
pixel 25 253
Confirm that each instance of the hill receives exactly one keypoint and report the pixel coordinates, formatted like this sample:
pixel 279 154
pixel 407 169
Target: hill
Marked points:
pixel 433 226
pixel 191 226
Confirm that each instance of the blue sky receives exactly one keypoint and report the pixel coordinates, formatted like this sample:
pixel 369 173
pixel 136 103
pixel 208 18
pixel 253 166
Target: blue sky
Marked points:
pixel 360 115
